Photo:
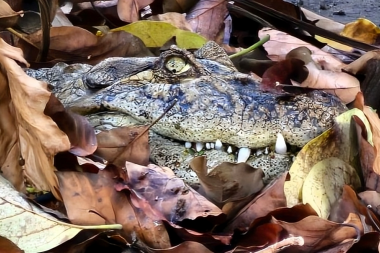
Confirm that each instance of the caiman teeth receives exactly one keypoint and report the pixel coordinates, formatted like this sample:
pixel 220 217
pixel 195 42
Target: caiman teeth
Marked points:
pixel 188 144
pixel 212 145
pixel 218 145
pixel 198 146
pixel 243 155
pixel 229 150
pixel 280 147
pixel 208 146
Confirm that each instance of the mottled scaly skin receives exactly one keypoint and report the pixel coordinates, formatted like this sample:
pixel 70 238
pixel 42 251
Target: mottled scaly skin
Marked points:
pixel 214 101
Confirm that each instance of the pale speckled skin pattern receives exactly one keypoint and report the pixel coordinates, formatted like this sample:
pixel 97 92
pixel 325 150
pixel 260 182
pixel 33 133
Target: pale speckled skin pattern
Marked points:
pixel 214 100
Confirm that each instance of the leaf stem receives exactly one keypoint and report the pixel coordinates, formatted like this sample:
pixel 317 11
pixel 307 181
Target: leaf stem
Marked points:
pixel 251 48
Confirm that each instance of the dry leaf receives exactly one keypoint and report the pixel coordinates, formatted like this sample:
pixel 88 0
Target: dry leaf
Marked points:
pixel 228 181
pixel 360 65
pixel 128 10
pixel 362 30
pixel 7 246
pixel 335 142
pixel 119 145
pixel 37 138
pixel 207 17
pixel 324 184
pixel 92 199
pixel 8 17
pixel 280 44
pixel 174 18
pixel 30 228
pixel 76 44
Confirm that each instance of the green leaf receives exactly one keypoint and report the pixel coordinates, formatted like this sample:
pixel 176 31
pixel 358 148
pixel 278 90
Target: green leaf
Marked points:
pixel 157 33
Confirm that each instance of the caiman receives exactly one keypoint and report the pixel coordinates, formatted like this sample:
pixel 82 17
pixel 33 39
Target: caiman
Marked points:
pixel 202 96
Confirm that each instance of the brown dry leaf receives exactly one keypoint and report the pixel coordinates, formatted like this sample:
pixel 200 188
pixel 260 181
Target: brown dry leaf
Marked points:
pixel 26 130
pixel 369 242
pixel 28 226
pixel 349 203
pixel 7 246
pixel 92 199
pixel 319 233
pixel 270 198
pixel 361 30
pixel 167 195
pixel 8 17
pixel 371 198
pixel 228 181
pixel 81 134
pixel 76 44
pixel 367 155
pixel 294 214
pixel 360 65
pixel 119 145
pixel 179 6
pixel 185 247
pixel 280 44
pixel 207 17
pixel 374 121
pixel 174 18
pixel 128 10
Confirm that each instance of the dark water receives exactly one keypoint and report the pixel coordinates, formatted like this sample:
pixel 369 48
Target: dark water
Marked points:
pixel 352 9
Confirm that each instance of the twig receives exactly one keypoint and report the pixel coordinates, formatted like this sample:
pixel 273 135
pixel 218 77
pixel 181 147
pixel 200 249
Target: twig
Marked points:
pixel 251 48
pixel 148 127
pixel 298 241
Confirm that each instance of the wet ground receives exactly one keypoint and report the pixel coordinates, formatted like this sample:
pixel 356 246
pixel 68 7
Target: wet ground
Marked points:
pixel 349 10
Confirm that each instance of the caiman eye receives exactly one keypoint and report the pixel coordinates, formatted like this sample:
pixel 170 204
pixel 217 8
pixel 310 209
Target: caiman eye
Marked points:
pixel 176 65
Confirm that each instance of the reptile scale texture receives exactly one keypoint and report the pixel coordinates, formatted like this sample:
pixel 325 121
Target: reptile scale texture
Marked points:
pixel 213 100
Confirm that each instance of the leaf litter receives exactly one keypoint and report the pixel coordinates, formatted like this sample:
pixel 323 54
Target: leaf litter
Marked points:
pixel 157 211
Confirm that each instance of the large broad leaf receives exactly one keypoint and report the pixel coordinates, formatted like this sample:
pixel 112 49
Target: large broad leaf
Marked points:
pixel 28 138
pixel 335 142
pixel 157 33
pixel 29 227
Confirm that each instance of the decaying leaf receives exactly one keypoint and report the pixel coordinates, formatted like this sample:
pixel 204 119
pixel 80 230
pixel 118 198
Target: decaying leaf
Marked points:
pixel 128 10
pixel 174 18
pixel 7 246
pixel 167 195
pixel 319 233
pixel 334 142
pixel 280 44
pixel 119 145
pixel 207 16
pixel 360 65
pixel 8 17
pixel 371 198
pixel 269 199
pixel 79 45
pixel 79 131
pixel 26 132
pixel 157 33
pixel 30 228
pixel 228 181
pixel 97 202
pixel 324 184
pixel 362 30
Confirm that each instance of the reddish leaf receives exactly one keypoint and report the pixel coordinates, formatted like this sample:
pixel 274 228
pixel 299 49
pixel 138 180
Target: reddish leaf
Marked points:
pixel 7 246
pixel 119 145
pixel 319 233
pixel 372 198
pixel 128 10
pixel 81 134
pixel 228 181
pixel 167 195
pixel 91 199
pixel 207 17
pixel 349 203
pixel 270 198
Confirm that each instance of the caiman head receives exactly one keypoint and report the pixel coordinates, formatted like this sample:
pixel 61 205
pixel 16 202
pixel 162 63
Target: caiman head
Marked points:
pixel 212 100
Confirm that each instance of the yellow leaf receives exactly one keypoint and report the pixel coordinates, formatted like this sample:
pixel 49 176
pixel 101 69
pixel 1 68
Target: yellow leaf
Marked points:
pixel 157 33
pixel 334 142
pixel 361 30
pixel 324 184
